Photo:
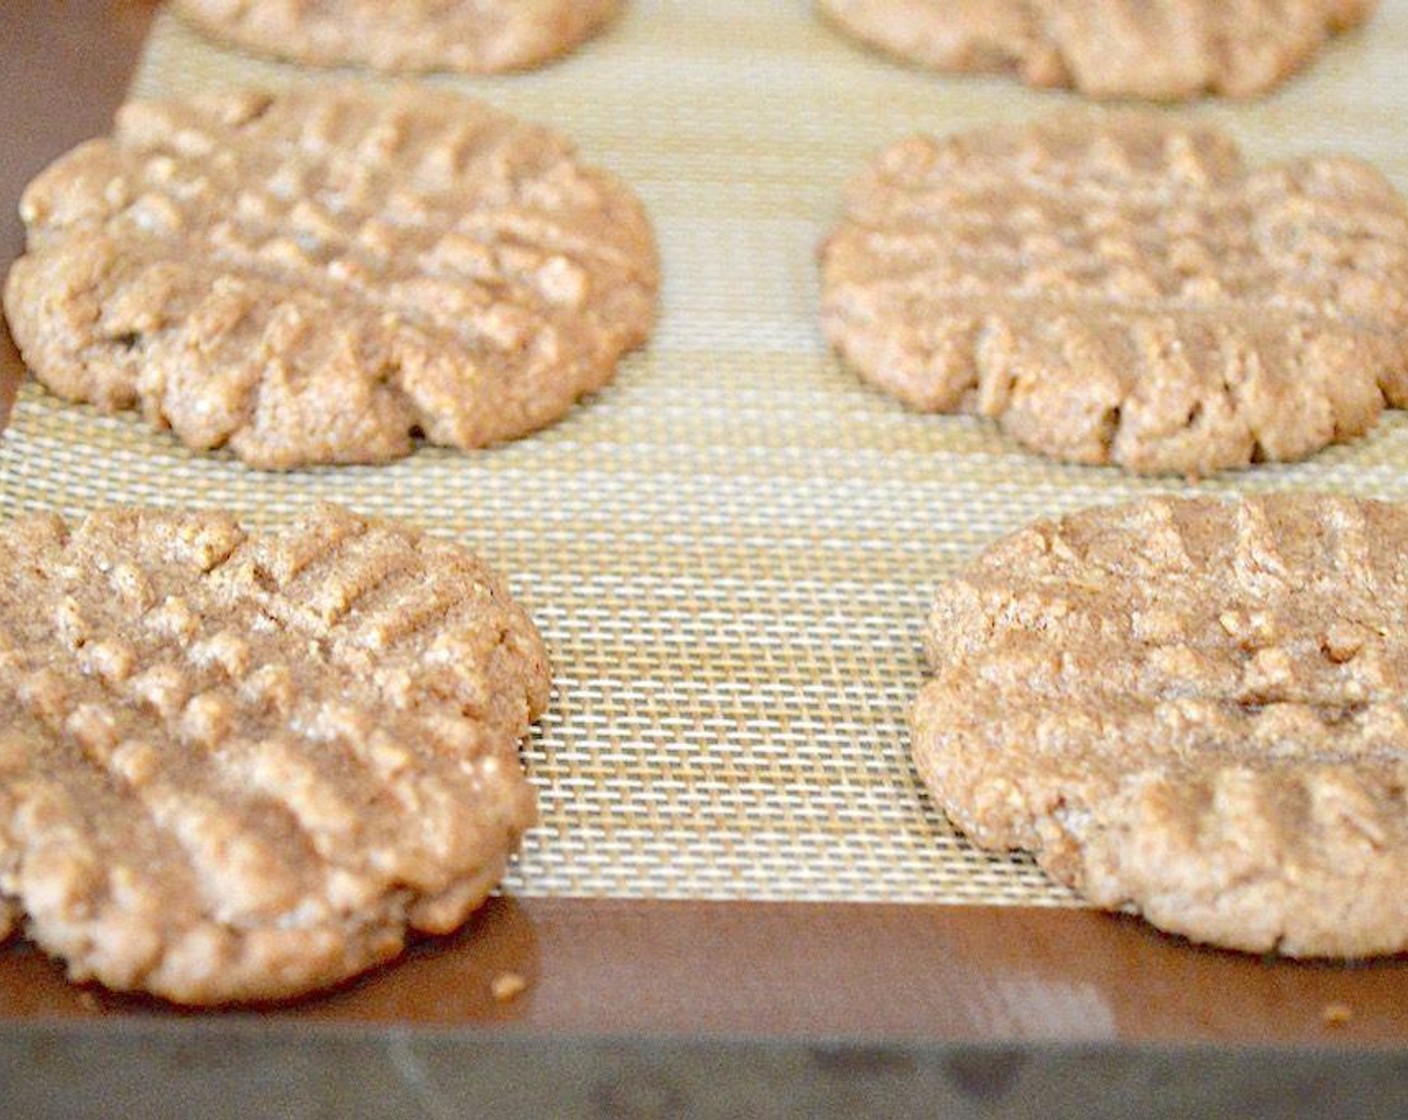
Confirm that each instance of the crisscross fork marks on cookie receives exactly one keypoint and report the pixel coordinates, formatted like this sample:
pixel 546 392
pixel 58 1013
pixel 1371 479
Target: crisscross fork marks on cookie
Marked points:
pixel 1196 709
pixel 323 274
pixel 1170 50
pixel 471 36
pixel 233 773
pixel 1120 288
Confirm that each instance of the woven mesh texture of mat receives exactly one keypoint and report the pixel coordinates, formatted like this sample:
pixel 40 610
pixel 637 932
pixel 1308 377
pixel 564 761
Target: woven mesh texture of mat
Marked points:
pixel 731 550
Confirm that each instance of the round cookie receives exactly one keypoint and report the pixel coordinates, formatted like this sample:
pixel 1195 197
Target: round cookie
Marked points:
pixel 1168 51
pixel 469 36
pixel 1121 288
pixel 1193 710
pixel 243 765
pixel 324 274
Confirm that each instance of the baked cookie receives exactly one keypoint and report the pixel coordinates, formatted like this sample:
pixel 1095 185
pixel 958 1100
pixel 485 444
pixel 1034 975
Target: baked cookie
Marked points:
pixel 323 274
pixel 242 765
pixel 1120 288
pixel 1165 51
pixel 1193 710
pixel 470 36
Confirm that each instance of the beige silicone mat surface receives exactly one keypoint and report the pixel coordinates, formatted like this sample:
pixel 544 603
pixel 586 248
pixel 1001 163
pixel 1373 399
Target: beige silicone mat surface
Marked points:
pixel 731 550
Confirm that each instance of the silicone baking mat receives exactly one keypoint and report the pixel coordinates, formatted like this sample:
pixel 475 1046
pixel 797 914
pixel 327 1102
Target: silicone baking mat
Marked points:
pixel 732 549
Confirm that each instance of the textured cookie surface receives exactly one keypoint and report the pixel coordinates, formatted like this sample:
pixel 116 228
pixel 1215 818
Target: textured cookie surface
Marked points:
pixel 1121 288
pixel 472 36
pixel 243 765
pixel 1162 50
pixel 321 275
pixel 1195 710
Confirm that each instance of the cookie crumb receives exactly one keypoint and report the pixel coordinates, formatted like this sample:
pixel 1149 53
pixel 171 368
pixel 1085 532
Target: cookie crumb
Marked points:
pixel 1336 1014
pixel 508 986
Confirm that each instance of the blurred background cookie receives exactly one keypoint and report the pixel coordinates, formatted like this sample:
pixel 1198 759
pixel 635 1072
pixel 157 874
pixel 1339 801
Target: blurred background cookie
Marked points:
pixel 1168 50
pixel 470 36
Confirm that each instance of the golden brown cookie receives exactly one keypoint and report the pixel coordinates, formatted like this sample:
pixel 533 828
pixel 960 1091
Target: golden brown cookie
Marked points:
pixel 324 274
pixel 469 36
pixel 1167 50
pixel 1190 709
pixel 1121 288
pixel 243 765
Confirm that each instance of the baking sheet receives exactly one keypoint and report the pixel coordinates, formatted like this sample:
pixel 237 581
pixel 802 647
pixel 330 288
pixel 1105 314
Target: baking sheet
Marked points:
pixel 732 549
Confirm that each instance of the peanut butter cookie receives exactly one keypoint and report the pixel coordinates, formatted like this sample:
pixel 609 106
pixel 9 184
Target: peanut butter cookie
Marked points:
pixel 242 765
pixel 1167 50
pixel 1121 288
pixel 321 275
pixel 1194 710
pixel 470 36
